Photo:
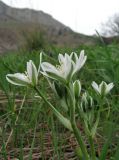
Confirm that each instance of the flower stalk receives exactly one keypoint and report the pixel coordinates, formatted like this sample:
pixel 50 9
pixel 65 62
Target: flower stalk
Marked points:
pixel 61 118
pixel 77 134
pixel 92 148
pixel 76 131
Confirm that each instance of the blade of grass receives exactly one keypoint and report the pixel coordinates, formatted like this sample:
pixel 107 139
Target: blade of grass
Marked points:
pixel 107 143
pixel 33 142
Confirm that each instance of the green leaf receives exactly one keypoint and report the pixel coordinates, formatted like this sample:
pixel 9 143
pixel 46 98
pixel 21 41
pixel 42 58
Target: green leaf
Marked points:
pixel 63 120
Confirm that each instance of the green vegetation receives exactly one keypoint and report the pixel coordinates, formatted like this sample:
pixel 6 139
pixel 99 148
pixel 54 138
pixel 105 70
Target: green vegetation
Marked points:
pixel 29 129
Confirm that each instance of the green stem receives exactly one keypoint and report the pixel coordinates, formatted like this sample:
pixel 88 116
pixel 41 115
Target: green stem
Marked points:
pixel 61 118
pixel 92 148
pixel 80 140
pixel 73 124
pixel 46 101
pixel 77 133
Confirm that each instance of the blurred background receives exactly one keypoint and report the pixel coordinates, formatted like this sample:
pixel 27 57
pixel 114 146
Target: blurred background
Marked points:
pixel 69 22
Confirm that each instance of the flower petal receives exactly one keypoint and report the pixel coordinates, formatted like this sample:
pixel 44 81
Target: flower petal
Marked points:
pixel 32 72
pixel 95 86
pixel 67 66
pixel 47 67
pixel 61 59
pixel 41 54
pixel 18 79
pixel 51 71
pixel 76 57
pixel 109 87
pixel 80 62
pixel 29 70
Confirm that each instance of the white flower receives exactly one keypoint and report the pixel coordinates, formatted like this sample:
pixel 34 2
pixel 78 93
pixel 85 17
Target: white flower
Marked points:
pixel 79 61
pixel 23 79
pixel 62 71
pixel 103 88
pixel 67 68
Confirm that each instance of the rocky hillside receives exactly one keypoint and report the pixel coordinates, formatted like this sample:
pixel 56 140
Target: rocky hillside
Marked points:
pixel 13 21
pixel 28 15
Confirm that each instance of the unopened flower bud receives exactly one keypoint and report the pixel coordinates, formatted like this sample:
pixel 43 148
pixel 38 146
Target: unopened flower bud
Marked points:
pixel 77 88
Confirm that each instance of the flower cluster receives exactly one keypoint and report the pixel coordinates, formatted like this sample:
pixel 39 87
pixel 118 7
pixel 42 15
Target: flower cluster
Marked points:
pixel 64 71
pixel 68 66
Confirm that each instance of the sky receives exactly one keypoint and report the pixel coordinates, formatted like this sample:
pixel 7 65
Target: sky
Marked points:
pixel 83 16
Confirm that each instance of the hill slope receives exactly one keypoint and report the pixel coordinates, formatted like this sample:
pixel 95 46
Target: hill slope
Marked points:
pixel 13 21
